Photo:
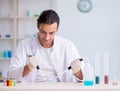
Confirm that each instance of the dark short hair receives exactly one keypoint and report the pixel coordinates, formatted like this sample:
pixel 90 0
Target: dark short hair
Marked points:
pixel 48 17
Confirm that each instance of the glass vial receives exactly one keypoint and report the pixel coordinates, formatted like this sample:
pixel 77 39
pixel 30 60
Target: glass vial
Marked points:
pixel 106 67
pixel 4 54
pixel 97 68
pixel 9 53
pixel 1 54
pixel 1 76
pixel 28 13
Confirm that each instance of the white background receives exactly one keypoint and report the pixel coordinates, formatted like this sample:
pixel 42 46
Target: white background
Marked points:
pixel 96 31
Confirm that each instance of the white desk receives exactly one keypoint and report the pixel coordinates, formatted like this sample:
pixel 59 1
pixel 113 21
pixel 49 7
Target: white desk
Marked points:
pixel 58 87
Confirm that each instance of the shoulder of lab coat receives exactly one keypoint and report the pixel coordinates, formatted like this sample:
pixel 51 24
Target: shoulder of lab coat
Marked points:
pixel 68 46
pixel 19 59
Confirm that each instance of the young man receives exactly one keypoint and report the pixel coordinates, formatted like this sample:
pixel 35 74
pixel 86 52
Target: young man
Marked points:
pixel 48 52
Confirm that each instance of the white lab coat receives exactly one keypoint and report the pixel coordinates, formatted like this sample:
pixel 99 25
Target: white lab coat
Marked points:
pixel 62 54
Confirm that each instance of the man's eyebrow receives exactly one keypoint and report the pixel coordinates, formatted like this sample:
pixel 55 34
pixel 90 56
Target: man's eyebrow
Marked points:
pixel 52 31
pixel 45 31
pixel 42 30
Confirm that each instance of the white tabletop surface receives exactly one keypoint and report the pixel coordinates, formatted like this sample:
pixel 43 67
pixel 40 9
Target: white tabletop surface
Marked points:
pixel 59 86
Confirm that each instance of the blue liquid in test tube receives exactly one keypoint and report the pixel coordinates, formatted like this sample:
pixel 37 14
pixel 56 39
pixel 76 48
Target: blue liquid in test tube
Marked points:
pixel 9 54
pixel 4 54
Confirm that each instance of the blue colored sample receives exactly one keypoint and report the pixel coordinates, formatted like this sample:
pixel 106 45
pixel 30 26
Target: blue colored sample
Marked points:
pixel 88 83
pixel 4 54
pixel 9 54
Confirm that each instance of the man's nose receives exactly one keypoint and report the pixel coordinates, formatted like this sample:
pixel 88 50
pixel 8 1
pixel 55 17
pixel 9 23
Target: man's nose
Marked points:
pixel 47 37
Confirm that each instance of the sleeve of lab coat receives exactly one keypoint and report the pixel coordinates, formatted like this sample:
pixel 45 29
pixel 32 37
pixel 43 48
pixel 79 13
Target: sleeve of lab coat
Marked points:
pixel 86 68
pixel 17 63
pixel 71 54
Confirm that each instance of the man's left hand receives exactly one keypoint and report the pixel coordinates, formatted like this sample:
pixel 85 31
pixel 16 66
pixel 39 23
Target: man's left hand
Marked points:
pixel 75 65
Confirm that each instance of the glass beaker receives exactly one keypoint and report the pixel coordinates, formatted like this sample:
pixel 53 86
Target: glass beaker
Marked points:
pixel 88 75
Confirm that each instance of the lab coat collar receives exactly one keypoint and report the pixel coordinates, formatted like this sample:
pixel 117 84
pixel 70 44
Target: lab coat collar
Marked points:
pixel 54 43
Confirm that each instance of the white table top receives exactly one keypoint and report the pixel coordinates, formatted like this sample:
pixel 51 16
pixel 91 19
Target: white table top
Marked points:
pixel 59 86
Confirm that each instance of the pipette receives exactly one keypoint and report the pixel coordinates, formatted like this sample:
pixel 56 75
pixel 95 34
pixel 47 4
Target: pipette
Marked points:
pixel 38 67
pixel 66 70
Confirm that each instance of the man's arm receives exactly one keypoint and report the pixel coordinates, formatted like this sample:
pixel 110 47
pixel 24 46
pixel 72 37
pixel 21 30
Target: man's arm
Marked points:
pixel 79 75
pixel 33 62
pixel 26 71
pixel 76 68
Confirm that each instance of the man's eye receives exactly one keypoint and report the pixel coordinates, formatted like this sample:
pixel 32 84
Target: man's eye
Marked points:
pixel 42 32
pixel 51 33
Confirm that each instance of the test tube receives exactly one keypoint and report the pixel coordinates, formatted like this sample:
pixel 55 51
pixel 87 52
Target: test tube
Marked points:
pixel 1 77
pixel 28 13
pixel 10 82
pixel 7 82
pixel 114 78
pixel 88 75
pixel 1 55
pixel 97 68
pixel 9 53
pixel 106 68
pixel 4 54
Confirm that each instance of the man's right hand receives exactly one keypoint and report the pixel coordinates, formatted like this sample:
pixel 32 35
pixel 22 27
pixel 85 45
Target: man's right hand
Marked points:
pixel 32 62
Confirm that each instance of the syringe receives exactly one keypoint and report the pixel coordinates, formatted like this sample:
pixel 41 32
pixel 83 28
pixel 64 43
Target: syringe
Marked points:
pixel 65 70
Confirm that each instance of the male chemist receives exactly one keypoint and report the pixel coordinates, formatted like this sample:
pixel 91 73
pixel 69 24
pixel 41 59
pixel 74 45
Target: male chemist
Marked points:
pixel 48 52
